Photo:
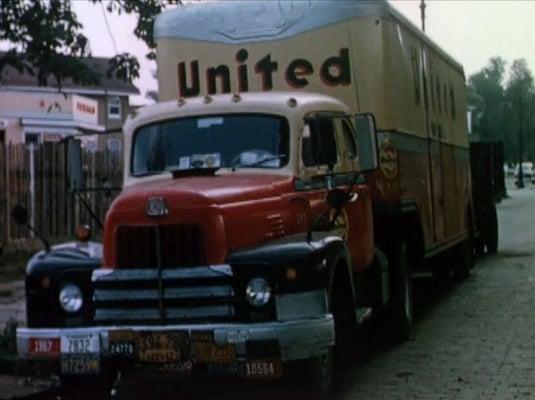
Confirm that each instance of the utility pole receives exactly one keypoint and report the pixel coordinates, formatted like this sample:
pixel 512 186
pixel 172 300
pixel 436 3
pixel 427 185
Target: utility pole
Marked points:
pixel 520 182
pixel 422 9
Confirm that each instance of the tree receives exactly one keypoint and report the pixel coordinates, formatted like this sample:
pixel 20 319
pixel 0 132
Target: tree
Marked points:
pixel 485 97
pixel 47 39
pixel 519 101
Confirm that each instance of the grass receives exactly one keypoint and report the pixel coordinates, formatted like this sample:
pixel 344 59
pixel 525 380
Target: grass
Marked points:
pixel 8 338
pixel 13 264
pixel 14 257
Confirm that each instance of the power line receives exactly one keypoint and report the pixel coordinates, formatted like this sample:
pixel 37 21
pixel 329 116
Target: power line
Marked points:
pixel 105 15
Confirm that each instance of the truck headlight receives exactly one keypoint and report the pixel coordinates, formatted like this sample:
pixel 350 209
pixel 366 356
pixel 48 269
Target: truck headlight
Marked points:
pixel 71 298
pixel 258 292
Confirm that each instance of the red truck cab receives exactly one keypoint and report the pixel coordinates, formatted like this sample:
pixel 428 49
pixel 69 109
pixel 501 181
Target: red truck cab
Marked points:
pixel 222 253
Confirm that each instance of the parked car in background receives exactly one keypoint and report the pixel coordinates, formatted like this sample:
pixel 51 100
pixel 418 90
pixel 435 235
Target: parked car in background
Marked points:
pixel 527 170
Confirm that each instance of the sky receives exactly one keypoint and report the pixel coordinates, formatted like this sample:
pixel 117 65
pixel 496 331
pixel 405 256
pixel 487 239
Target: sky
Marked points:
pixel 471 31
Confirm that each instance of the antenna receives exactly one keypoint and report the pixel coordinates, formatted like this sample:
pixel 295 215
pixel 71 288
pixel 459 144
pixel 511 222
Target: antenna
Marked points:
pixel 422 8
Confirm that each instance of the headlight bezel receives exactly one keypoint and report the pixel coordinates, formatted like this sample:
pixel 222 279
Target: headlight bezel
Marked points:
pixel 70 298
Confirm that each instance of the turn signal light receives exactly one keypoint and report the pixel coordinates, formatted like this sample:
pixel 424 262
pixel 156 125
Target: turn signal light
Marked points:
pixel 291 274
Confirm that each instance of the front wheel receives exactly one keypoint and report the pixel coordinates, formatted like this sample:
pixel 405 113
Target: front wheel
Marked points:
pixel 400 308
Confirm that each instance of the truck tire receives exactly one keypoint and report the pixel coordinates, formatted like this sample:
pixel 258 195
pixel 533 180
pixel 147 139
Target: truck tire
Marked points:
pixel 400 309
pixel 86 387
pixel 491 231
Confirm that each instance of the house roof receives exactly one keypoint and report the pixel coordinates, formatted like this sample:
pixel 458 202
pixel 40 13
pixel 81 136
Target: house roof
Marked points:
pixel 10 77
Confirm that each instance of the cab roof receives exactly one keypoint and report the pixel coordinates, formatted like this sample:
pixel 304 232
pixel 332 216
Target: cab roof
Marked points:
pixel 282 103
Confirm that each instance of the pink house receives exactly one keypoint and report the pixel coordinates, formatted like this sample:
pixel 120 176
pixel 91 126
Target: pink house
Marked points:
pixel 30 113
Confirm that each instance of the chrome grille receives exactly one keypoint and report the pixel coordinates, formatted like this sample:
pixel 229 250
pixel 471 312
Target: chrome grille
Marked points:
pixel 197 294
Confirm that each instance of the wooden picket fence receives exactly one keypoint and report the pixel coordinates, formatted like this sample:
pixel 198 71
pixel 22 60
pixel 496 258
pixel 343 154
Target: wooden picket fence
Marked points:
pixel 36 177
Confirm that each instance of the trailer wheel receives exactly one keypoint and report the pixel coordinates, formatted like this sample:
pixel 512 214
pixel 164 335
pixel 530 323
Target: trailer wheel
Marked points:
pixel 479 246
pixel 463 260
pixel 491 231
pixel 400 310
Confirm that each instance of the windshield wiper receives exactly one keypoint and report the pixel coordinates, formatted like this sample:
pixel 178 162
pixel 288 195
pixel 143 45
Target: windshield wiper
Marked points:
pixel 257 162
pixel 147 173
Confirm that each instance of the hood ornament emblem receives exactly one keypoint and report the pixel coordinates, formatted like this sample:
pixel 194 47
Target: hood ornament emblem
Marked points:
pixel 156 207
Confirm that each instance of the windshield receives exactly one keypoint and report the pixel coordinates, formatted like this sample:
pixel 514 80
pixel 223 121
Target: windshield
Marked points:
pixel 217 141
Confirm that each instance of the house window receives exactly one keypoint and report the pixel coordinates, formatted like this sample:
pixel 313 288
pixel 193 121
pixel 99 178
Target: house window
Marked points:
pixel 114 145
pixel 114 107
pixel 32 138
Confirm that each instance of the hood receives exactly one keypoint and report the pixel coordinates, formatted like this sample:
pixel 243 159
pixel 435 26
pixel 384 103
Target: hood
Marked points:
pixel 204 218
pixel 208 190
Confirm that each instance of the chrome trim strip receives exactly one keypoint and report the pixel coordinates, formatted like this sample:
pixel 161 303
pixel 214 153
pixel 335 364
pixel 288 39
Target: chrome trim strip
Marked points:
pixel 103 295
pixel 112 275
pixel 146 314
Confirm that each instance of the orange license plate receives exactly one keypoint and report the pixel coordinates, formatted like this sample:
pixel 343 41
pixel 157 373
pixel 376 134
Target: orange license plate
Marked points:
pixel 162 347
pixel 207 352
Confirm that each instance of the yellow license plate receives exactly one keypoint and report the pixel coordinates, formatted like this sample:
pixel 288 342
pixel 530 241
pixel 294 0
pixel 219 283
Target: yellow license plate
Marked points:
pixel 161 347
pixel 206 352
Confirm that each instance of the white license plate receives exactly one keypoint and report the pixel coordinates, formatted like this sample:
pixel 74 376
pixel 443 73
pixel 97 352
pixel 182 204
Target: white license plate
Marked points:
pixel 80 344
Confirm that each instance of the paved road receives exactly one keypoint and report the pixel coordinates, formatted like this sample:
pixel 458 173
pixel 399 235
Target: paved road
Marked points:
pixel 471 340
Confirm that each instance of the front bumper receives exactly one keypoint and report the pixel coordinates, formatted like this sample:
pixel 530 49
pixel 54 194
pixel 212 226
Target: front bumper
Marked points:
pixel 297 339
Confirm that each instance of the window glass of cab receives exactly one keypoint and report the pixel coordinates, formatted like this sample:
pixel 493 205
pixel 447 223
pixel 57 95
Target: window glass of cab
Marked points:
pixel 319 142
pixel 350 147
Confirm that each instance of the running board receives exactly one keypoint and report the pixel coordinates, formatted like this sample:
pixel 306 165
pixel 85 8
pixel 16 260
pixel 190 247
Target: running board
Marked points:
pixel 363 314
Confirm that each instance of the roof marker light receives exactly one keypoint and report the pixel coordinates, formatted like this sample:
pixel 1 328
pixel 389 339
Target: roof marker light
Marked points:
pixel 292 102
pixel 236 97
pixel 207 99
pixel 181 101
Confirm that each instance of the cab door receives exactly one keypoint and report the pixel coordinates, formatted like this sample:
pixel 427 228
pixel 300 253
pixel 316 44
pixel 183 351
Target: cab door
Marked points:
pixel 329 159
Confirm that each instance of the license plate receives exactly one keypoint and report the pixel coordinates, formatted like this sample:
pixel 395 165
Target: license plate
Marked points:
pixel 74 364
pixel 262 369
pixel 44 347
pixel 206 352
pixel 80 344
pixel 182 367
pixel 122 343
pixel 162 347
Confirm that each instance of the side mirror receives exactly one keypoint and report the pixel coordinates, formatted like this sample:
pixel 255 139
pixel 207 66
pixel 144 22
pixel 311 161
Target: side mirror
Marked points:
pixel 76 172
pixel 20 215
pixel 337 198
pixel 367 141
